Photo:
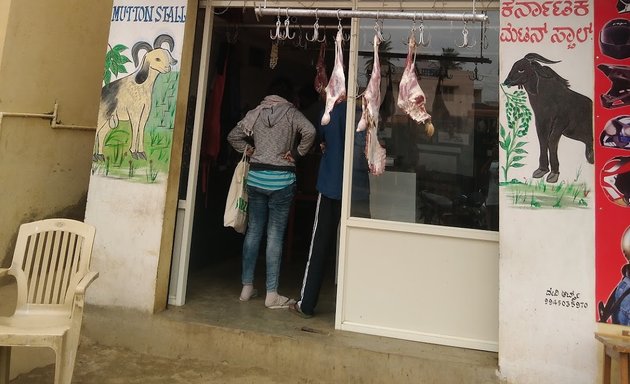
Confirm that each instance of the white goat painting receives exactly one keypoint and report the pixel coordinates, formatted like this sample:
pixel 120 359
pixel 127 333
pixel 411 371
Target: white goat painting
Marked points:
pixel 129 98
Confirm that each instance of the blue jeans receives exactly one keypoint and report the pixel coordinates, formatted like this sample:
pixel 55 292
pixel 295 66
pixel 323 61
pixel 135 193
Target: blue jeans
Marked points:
pixel 266 209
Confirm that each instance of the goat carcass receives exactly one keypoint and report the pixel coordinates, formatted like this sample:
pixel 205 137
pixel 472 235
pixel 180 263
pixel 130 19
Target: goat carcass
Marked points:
pixel 374 153
pixel 129 98
pixel 336 88
pixel 320 78
pixel 411 98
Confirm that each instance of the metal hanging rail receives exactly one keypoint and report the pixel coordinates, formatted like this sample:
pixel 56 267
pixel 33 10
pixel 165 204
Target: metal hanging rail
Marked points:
pixel 306 27
pixel 379 15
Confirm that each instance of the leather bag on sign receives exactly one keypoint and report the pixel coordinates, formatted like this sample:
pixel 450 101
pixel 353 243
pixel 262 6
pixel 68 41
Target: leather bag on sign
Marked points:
pixel 235 215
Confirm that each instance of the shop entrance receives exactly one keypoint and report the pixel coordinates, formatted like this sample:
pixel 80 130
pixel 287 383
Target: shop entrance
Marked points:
pixel 234 62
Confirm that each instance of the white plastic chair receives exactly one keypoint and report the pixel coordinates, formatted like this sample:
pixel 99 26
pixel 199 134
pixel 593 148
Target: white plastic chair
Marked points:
pixel 51 267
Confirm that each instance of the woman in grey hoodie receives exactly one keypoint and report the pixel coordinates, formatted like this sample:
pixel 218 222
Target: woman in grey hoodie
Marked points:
pixel 274 134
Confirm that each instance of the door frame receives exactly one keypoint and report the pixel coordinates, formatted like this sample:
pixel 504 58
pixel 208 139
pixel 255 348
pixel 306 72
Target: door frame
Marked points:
pixel 186 208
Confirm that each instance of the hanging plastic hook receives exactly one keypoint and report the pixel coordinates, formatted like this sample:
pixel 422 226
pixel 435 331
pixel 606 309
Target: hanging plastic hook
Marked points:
pixel 277 35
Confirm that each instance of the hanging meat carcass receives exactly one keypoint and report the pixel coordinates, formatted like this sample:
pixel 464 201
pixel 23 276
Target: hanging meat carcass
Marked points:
pixel 336 88
pixel 320 77
pixel 374 153
pixel 411 98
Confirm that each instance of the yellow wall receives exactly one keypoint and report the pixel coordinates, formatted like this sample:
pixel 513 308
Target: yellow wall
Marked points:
pixel 50 51
pixel 4 17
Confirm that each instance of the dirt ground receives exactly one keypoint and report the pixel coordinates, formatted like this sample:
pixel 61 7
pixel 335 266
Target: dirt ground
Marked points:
pixel 97 364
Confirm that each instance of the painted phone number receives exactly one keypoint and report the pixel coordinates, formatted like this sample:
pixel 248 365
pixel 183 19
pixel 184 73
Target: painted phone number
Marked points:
pixel 566 303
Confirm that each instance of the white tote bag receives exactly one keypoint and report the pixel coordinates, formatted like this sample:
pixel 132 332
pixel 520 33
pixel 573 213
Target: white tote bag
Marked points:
pixel 235 215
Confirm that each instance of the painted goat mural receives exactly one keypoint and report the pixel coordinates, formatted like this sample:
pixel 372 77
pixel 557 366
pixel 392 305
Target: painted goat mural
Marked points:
pixel 558 111
pixel 130 98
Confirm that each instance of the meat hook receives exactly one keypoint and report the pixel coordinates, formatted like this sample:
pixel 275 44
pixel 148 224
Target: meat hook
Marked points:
pixel 378 28
pixel 421 40
pixel 475 75
pixel 484 37
pixel 315 30
pixel 287 35
pixel 465 43
pixel 378 31
pixel 278 34
pixel 344 37
pixel 323 40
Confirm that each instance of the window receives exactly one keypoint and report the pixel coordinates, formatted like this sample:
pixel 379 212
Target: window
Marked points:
pixel 450 178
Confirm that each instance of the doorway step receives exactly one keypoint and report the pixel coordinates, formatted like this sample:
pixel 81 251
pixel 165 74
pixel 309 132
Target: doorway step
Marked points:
pixel 286 345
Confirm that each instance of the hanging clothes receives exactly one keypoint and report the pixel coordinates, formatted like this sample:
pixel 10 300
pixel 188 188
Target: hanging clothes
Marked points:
pixel 211 139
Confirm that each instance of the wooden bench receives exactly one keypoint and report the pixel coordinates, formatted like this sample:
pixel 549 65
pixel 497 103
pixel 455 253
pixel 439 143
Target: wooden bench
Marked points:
pixel 618 347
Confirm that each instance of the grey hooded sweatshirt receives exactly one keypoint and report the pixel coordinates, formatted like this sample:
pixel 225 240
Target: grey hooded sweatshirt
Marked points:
pixel 274 127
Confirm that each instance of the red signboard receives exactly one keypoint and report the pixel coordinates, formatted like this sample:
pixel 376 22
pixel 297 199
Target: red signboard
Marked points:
pixel 612 160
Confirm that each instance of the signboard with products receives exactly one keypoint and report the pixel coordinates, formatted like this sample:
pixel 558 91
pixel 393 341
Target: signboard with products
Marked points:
pixel 612 155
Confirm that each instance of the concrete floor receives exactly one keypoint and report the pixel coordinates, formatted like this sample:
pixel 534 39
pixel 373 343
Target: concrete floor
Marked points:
pixel 215 338
pixel 212 299
pixel 213 293
pixel 98 364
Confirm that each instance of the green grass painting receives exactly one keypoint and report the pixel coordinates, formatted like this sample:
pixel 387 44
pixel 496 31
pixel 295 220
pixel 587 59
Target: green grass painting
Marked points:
pixel 537 193
pixel 532 193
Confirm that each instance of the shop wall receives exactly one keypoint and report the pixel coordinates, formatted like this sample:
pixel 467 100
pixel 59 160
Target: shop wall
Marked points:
pixel 47 54
pixel 546 305
pixel 132 158
pixel 50 53
pixel 4 17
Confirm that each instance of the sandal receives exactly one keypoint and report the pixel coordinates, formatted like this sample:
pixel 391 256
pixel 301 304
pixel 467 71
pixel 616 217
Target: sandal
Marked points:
pixel 295 309
pixel 279 302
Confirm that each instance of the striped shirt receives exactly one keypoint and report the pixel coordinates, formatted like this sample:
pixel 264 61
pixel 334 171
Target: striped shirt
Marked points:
pixel 270 180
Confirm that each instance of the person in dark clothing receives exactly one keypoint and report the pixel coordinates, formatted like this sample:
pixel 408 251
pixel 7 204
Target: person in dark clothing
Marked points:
pixel 360 192
pixel 327 213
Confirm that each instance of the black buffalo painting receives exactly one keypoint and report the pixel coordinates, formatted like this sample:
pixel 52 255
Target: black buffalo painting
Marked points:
pixel 558 110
